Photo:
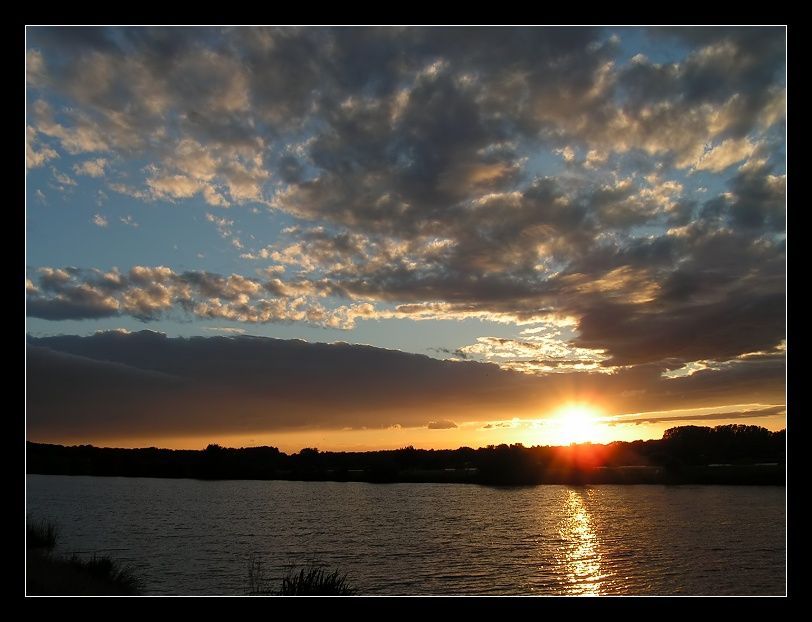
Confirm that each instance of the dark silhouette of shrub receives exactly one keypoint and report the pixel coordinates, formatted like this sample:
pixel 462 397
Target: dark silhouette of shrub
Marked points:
pixel 313 581
pixel 40 535
pixel 47 574
pixel 102 568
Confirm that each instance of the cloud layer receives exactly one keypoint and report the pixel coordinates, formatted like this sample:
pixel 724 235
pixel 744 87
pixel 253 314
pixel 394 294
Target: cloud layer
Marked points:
pixel 145 384
pixel 628 203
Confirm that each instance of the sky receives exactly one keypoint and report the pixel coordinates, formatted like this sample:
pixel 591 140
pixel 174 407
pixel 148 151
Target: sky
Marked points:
pixel 361 238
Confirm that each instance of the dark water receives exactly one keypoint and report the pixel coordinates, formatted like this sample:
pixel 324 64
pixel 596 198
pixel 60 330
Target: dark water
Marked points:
pixel 195 537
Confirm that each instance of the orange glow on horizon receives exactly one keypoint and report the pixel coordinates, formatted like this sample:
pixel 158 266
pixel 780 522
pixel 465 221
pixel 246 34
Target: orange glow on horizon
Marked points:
pixel 573 422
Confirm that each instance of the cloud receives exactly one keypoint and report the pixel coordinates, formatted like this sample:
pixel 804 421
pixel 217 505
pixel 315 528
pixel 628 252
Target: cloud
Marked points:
pixel 567 153
pixel 262 375
pixel 684 296
pixel 99 220
pixel 420 118
pixel 514 175
pixel 224 228
pixel 224 329
pixel 36 157
pixel 441 425
pixel 91 168
pixel 546 352
pixel 62 179
pixel 73 303
pixel 725 154
pixel 715 416
pixel 144 383
pixel 152 292
pixel 174 186
pixel 595 158
pixel 83 137
pixel 130 191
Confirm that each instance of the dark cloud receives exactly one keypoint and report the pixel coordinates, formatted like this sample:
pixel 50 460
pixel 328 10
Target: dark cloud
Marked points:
pixel 63 295
pixel 116 384
pixel 746 61
pixel 719 416
pixel 443 424
pixel 758 201
pixel 741 323
pixel 186 386
pixel 78 305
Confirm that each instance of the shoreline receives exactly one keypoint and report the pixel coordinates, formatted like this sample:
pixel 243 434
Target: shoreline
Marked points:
pixel 729 475
pixel 724 455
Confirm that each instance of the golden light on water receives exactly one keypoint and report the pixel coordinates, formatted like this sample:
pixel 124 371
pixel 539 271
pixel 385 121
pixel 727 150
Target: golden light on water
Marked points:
pixel 577 423
pixel 582 557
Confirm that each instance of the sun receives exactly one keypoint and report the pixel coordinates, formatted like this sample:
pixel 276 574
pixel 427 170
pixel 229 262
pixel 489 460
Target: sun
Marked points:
pixel 576 423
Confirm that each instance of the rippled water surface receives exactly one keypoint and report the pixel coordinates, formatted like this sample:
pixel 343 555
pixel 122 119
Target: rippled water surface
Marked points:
pixel 196 537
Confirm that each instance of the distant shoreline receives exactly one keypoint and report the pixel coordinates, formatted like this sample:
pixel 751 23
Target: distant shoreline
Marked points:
pixel 733 475
pixel 726 455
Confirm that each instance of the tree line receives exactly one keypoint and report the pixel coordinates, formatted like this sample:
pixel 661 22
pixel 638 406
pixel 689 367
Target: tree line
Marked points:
pixel 727 454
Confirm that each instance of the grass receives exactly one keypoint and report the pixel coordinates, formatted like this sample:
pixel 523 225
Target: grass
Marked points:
pixel 308 581
pixel 40 535
pixel 314 581
pixel 47 574
pixel 258 583
pixel 97 576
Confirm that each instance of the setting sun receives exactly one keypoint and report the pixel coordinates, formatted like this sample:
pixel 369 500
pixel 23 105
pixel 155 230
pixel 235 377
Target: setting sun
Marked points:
pixel 577 423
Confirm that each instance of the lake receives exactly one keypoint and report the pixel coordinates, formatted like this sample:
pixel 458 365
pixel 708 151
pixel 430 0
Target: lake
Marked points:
pixel 197 537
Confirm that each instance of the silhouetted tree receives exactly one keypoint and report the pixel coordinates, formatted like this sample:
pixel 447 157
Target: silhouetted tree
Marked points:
pixel 683 451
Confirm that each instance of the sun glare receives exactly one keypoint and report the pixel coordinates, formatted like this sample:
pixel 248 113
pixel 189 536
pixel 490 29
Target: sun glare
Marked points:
pixel 577 423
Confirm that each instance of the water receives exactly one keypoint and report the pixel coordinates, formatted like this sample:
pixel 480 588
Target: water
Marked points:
pixel 196 537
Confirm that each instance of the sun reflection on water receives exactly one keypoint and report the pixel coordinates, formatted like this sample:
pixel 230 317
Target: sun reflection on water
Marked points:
pixel 582 557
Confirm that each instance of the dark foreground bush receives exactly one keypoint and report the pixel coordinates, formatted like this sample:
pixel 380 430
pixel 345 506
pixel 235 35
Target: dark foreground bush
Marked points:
pixel 40 535
pixel 97 576
pixel 47 574
pixel 308 581
pixel 316 582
